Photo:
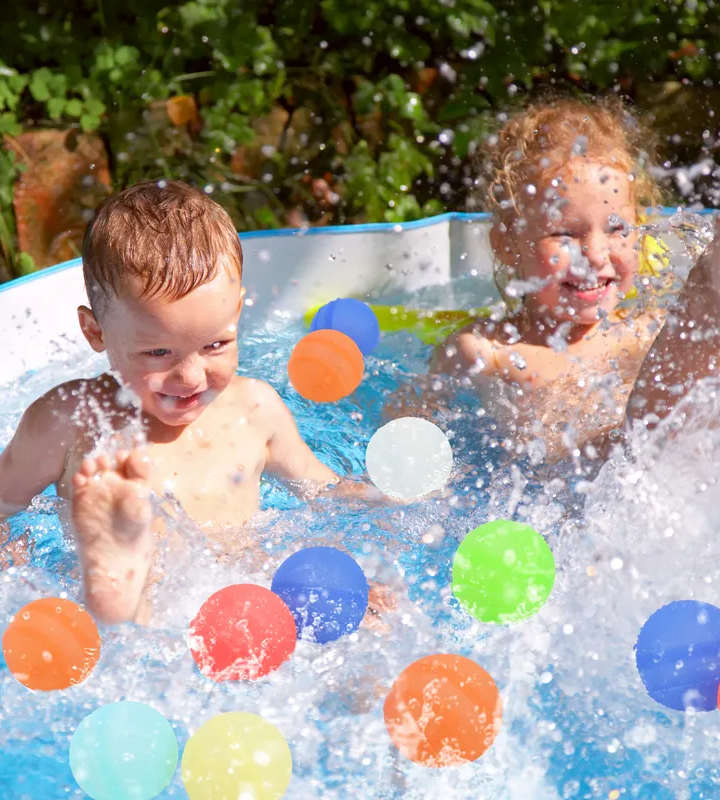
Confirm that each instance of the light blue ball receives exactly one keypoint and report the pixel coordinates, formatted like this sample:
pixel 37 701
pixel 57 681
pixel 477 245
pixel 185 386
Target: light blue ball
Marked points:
pixel 351 317
pixel 325 589
pixel 124 751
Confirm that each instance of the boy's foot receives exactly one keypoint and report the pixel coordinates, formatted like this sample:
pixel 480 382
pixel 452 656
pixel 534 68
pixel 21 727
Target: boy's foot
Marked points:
pixel 112 514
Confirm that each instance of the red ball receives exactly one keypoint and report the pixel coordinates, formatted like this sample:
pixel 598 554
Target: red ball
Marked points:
pixel 242 632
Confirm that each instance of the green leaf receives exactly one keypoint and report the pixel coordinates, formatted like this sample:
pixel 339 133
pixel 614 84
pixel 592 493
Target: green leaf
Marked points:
pixel 25 263
pixel 89 122
pixel 55 107
pixel 9 124
pixel 73 108
pixel 39 85
pixel 95 107
pixel 126 55
pixel 267 217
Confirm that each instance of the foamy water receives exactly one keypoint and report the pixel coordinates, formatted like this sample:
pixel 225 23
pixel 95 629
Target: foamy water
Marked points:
pixel 577 722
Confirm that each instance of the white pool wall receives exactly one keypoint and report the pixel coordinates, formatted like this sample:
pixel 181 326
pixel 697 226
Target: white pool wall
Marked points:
pixel 285 272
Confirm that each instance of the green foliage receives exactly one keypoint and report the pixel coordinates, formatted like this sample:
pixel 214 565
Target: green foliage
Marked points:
pixel 378 105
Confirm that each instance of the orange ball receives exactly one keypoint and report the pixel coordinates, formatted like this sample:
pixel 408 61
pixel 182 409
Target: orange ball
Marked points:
pixel 325 366
pixel 50 644
pixel 443 711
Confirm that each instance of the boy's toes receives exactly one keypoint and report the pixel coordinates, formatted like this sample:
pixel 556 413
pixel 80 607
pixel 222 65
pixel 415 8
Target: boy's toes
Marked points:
pixel 88 468
pixel 137 466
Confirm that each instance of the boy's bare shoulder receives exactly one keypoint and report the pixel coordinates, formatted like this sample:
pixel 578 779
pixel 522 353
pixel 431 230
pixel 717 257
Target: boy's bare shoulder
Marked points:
pixel 253 395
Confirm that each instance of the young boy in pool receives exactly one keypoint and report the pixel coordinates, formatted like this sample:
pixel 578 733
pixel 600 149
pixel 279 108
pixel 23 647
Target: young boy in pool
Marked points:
pixel 566 183
pixel 163 272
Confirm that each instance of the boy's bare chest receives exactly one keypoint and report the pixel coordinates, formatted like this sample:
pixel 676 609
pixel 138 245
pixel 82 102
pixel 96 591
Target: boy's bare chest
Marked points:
pixel 209 473
pixel 212 470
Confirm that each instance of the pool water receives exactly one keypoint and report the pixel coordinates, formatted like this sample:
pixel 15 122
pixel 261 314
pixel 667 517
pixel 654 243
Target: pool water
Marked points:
pixel 577 722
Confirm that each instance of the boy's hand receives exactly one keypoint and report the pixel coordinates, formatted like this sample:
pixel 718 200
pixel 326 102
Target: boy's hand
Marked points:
pixel 381 600
pixel 15 553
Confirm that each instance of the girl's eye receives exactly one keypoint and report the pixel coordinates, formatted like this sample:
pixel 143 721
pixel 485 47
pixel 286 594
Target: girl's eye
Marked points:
pixel 218 345
pixel 561 235
pixel 159 353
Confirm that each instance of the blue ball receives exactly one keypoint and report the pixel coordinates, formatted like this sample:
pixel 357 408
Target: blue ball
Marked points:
pixel 325 589
pixel 678 655
pixel 123 750
pixel 351 317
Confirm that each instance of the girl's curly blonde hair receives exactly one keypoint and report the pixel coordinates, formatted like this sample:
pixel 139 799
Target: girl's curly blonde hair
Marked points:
pixel 536 144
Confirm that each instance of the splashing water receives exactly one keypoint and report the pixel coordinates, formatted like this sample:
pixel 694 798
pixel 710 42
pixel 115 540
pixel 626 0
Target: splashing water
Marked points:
pixel 577 722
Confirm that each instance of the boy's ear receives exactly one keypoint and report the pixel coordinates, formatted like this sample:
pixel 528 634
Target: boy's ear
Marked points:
pixel 502 242
pixel 91 329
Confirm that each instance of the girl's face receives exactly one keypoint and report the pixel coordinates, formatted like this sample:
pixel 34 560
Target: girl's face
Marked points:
pixel 576 245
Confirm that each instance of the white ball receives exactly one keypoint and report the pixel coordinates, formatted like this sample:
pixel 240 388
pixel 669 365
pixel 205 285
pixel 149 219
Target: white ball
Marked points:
pixel 409 458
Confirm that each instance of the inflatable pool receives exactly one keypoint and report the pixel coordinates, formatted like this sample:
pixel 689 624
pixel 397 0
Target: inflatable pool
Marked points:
pixel 286 272
pixel 576 721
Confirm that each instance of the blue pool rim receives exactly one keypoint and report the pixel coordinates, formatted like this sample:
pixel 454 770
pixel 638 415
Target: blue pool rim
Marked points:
pixel 330 230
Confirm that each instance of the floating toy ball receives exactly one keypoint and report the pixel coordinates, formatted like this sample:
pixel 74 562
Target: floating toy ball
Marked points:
pixel 503 571
pixel 409 458
pixel 678 655
pixel 326 591
pixel 236 755
pixel 351 317
pixel 443 711
pixel 325 366
pixel 124 750
pixel 51 644
pixel 242 632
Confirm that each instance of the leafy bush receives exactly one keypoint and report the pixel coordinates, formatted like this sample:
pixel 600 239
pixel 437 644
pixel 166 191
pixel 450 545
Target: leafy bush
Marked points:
pixel 342 110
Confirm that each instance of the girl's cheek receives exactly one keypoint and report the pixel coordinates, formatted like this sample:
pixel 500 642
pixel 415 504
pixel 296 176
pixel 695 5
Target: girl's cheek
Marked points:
pixel 552 258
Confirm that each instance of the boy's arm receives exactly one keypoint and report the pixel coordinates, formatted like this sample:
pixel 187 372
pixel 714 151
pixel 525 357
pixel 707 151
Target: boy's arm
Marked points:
pixel 35 456
pixel 287 455
pixel 687 349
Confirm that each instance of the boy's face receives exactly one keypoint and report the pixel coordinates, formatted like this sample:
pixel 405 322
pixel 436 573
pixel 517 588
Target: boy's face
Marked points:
pixel 177 356
pixel 577 241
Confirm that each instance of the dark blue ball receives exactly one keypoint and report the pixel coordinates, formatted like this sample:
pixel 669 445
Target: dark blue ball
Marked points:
pixel 326 591
pixel 678 655
pixel 351 317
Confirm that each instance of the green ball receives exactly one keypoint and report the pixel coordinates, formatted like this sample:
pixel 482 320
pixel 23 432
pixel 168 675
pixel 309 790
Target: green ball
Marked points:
pixel 503 572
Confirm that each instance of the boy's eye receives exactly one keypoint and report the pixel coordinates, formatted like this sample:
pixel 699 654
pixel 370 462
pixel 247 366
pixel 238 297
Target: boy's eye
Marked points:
pixel 159 353
pixel 561 234
pixel 218 345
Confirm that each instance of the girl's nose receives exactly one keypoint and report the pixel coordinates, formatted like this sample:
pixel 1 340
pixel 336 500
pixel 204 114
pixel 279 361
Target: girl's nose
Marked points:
pixel 596 249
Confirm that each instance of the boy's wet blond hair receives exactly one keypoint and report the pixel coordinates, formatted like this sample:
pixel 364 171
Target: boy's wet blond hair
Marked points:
pixel 167 235
pixel 536 145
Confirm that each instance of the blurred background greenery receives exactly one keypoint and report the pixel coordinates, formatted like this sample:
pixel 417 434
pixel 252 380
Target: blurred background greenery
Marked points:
pixel 296 112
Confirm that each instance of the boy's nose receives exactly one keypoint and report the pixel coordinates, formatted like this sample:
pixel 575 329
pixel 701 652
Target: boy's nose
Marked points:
pixel 190 372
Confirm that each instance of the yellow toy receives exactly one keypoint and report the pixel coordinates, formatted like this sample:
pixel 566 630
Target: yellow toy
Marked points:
pixel 433 327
